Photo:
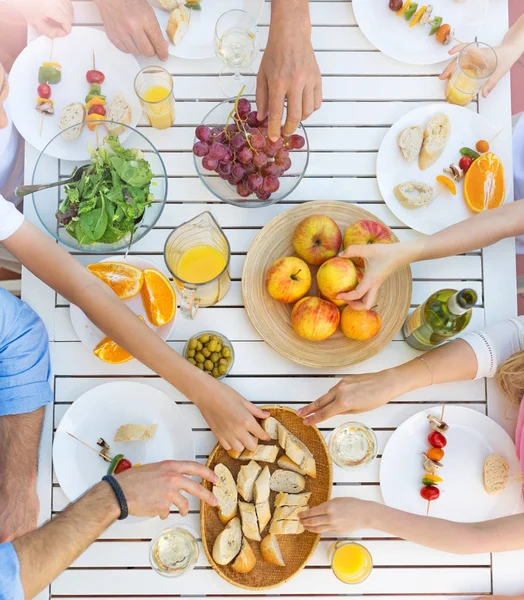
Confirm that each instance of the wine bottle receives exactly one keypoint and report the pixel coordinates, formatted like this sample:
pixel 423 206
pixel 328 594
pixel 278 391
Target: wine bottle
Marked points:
pixel 442 316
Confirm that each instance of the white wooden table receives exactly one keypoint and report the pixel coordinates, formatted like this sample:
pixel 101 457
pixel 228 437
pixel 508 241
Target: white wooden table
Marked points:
pixel 364 93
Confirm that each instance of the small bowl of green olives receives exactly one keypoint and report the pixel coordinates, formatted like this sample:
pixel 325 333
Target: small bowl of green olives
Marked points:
pixel 211 352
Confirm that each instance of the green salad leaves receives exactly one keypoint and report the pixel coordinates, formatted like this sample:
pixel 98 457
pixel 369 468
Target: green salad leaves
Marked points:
pixel 111 196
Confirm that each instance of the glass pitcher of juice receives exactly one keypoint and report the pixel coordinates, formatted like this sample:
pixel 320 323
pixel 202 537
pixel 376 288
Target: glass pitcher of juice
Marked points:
pixel 350 562
pixel 197 253
pixel 154 88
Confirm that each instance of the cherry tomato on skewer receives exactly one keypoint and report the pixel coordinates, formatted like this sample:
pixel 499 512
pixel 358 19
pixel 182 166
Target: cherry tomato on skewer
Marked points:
pixel 437 440
pixel 430 493
pixel 97 109
pixel 122 466
pixel 44 91
pixel 94 76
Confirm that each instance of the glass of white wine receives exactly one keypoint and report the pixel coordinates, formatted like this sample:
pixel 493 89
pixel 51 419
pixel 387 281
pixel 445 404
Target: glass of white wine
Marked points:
pixel 236 46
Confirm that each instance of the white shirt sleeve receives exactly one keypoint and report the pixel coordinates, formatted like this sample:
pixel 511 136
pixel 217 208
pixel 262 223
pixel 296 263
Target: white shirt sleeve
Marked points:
pixel 495 344
pixel 10 219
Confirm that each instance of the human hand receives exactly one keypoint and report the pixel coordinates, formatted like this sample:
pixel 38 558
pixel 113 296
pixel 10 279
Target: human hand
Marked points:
pixel 381 261
pixel 19 508
pixel 150 490
pixel 289 70
pixel 4 92
pixel 340 515
pixel 132 27
pixel 50 17
pixel 231 417
pixel 507 54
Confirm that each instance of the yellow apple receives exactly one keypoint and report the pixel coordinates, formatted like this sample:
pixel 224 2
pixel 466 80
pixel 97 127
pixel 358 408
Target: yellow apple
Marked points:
pixel 336 276
pixel 288 279
pixel 316 239
pixel 363 232
pixel 360 325
pixel 314 318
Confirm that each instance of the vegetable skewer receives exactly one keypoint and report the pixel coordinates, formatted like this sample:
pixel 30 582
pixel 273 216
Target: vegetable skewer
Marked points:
pixel 95 101
pixel 432 463
pixel 49 74
pixel 106 457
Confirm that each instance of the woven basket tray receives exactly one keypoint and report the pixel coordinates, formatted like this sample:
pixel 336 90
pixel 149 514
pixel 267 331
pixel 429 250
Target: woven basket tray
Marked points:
pixel 296 549
pixel 272 319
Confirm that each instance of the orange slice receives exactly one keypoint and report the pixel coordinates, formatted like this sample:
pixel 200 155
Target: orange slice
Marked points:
pixel 158 297
pixel 124 279
pixel 110 352
pixel 448 183
pixel 484 186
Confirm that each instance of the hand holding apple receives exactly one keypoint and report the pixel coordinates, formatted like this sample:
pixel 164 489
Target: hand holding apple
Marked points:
pixel 315 319
pixel 288 279
pixel 317 239
pixel 364 232
pixel 360 325
pixel 337 275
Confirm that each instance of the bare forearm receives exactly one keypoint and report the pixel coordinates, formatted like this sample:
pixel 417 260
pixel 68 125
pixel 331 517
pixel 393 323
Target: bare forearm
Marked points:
pixel 516 34
pixel 291 13
pixel 498 535
pixel 46 552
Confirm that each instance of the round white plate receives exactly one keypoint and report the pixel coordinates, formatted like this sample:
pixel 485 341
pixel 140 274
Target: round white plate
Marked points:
pixel 90 335
pixel 75 53
pixel 467 127
pixel 413 45
pixel 99 413
pixel 199 41
pixel 472 437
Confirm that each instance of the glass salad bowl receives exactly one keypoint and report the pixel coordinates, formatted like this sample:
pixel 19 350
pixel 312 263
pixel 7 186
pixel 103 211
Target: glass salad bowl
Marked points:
pixel 221 182
pixel 115 199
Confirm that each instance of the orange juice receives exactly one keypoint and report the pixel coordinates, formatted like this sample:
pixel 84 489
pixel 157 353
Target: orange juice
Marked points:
pixel 200 264
pixel 463 86
pixel 159 106
pixel 350 562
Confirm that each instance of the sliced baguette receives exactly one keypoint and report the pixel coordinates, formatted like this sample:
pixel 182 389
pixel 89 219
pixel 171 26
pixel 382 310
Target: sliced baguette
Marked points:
pixel 234 453
pixel 246 480
pixel 263 514
pixel 286 528
pixel 262 453
pixel 177 25
pixel 270 551
pixel 496 474
pixel 134 433
pixel 287 481
pixel 72 114
pixel 297 451
pixel 410 142
pixel 270 426
pixel 288 513
pixel 414 194
pixel 284 462
pixel 228 543
pixel 226 493
pixel 119 111
pixel 261 489
pixel 245 562
pixel 284 499
pixel 249 521
pixel 436 136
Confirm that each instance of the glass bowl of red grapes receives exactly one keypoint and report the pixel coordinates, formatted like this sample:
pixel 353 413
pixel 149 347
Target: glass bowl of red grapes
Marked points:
pixel 237 161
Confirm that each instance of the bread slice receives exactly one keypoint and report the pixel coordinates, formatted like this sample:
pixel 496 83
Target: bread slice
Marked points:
pixel 245 562
pixel 436 136
pixel 270 426
pixel 261 489
pixel 297 451
pixel 262 453
pixel 414 194
pixel 234 453
pixel 228 543
pixel 410 142
pixel 284 499
pixel 135 433
pixel 72 114
pixel 177 25
pixel 226 493
pixel 119 111
pixel 287 481
pixel 286 528
pixel 270 551
pixel 284 462
pixel 263 514
pixel 246 480
pixel 288 513
pixel 249 521
pixel 496 474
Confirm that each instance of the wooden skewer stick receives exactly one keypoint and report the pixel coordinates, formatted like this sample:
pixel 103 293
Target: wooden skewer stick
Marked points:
pixel 101 454
pixel 50 60
pixel 427 509
pixel 496 136
pixel 442 413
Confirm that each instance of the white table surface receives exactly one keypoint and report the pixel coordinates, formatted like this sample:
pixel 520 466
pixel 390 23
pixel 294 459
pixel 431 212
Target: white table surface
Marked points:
pixel 364 93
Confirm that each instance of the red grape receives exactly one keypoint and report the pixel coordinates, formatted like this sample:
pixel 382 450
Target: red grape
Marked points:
pixel 273 170
pixel 242 190
pixel 203 133
pixel 278 143
pixel 270 151
pixel 260 159
pixel 254 182
pixel 250 168
pixel 232 129
pixel 237 142
pixel 228 157
pixel 217 150
pixel 257 141
pixel 200 149
pixel 221 138
pixel 282 155
pixel 264 121
pixel 263 195
pixel 285 164
pixel 238 171
pixel 243 108
pixel 245 155
pixel 270 184
pixel 252 120
pixel 296 141
pixel 209 163
pixel 224 168
pixel 216 130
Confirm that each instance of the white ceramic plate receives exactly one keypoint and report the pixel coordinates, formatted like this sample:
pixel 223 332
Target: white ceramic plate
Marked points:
pixel 392 35
pixel 472 437
pixel 75 54
pixel 99 413
pixel 199 39
pixel 90 335
pixel 467 127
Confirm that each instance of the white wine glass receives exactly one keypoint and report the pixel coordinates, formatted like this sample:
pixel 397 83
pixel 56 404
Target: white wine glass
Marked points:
pixel 236 46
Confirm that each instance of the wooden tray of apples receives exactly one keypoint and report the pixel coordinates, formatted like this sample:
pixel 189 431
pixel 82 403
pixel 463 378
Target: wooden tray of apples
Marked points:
pixel 292 275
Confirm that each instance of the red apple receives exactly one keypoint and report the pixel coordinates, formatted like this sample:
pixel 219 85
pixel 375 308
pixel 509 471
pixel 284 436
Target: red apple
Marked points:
pixel 315 319
pixel 363 232
pixel 316 239
pixel 288 279
pixel 360 325
pixel 336 276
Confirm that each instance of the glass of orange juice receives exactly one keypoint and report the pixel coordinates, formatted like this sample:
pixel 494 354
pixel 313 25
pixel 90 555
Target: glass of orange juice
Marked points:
pixel 350 562
pixel 475 64
pixel 197 253
pixel 154 88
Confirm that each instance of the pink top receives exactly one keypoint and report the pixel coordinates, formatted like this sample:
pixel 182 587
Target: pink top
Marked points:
pixel 519 436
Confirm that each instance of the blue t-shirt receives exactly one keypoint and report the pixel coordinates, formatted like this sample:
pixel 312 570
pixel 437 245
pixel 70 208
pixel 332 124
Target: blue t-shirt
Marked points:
pixel 10 584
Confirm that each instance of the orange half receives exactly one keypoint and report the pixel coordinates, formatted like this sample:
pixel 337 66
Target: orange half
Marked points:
pixel 124 279
pixel 110 352
pixel 158 297
pixel 484 186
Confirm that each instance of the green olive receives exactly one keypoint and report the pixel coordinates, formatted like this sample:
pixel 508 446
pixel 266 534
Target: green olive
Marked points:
pixel 200 345
pixel 222 369
pixel 215 356
pixel 223 361
pixel 219 347
pixel 204 339
pixel 191 353
pixel 192 344
pixel 200 366
pixel 226 352
pixel 212 345
pixel 192 361
pixel 206 352
pixel 229 359
pixel 215 372
pixel 209 365
pixel 200 358
pixel 215 338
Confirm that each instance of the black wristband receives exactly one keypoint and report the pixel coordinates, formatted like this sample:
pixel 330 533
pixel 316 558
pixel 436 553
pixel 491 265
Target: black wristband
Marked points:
pixel 124 511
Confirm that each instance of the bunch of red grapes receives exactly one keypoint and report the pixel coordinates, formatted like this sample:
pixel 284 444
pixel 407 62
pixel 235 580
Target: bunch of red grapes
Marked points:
pixel 242 153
